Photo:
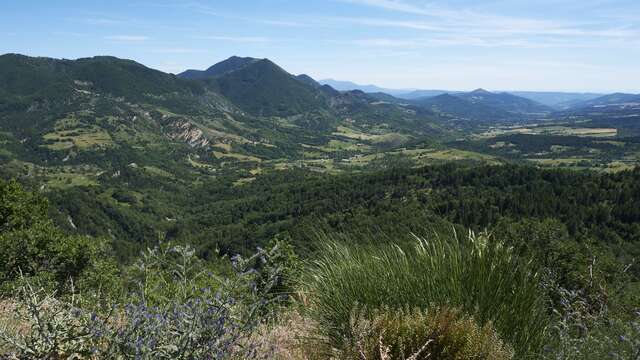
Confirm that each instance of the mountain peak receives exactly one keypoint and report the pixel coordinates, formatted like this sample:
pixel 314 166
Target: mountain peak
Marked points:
pixel 480 91
pixel 226 66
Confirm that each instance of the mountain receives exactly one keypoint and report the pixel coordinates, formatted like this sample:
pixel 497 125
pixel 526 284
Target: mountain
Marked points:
pixel 461 108
pixel 556 100
pixel 418 94
pixel 231 64
pixel 380 96
pixel 505 102
pixel 308 80
pixel 616 99
pixel 93 115
pixel 348 86
pixel 28 76
pixel 262 88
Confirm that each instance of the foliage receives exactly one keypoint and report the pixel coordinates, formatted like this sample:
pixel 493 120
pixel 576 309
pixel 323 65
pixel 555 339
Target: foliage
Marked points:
pixel 480 276
pixel 196 323
pixel 279 258
pixel 51 329
pixel 579 332
pixel 438 333
pixel 31 246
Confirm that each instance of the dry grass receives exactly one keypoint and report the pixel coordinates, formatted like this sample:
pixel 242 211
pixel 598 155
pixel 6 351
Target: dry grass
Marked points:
pixel 10 324
pixel 289 338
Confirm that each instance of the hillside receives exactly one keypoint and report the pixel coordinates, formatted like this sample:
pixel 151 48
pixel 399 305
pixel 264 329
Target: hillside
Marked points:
pixel 505 102
pixel 71 119
pixel 252 157
pixel 264 89
pixel 555 99
pixel 617 99
pixel 460 108
pixel 231 64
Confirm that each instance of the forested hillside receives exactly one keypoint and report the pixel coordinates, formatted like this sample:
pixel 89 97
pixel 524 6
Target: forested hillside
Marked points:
pixel 210 214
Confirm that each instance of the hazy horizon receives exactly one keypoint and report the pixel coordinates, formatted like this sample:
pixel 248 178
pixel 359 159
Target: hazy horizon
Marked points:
pixel 568 45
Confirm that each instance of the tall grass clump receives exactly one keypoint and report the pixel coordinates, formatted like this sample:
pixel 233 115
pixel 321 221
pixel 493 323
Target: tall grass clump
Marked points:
pixel 480 277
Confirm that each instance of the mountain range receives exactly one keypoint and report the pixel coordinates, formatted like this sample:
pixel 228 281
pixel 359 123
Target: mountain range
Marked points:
pixel 96 110
pixel 554 99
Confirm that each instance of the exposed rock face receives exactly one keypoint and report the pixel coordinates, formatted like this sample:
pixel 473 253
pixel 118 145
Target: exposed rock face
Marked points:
pixel 187 132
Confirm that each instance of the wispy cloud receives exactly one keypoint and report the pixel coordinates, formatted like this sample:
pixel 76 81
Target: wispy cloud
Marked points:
pixel 102 21
pixel 490 28
pixel 377 22
pixel 178 51
pixel 208 10
pixel 238 39
pixel 460 40
pixel 127 38
pixel 392 5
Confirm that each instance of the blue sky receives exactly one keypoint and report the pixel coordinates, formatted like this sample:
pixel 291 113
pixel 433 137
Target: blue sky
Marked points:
pixel 571 45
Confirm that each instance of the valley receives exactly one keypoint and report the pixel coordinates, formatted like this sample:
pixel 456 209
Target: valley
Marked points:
pixel 131 172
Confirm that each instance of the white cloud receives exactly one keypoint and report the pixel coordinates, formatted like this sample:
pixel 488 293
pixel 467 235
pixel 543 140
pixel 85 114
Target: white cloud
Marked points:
pixel 393 5
pixel 127 38
pixel 238 39
pixel 178 51
pixel 486 28
pixel 102 21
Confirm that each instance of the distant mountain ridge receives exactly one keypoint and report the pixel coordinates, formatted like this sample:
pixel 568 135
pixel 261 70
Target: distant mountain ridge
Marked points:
pixel 348 86
pixel 505 101
pixel 462 109
pixel 231 64
pixel 616 99
pixel 71 111
pixel 558 100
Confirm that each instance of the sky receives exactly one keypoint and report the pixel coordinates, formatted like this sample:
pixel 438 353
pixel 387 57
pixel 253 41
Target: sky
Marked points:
pixel 552 45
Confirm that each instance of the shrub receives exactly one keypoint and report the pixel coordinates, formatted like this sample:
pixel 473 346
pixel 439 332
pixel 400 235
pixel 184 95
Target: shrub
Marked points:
pixel 480 277
pixel 579 332
pixel 439 333
pixel 197 323
pixel 32 247
pixel 48 328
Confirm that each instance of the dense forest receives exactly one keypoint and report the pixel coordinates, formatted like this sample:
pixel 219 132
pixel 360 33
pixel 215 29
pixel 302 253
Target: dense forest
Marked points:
pixel 238 218
pixel 579 231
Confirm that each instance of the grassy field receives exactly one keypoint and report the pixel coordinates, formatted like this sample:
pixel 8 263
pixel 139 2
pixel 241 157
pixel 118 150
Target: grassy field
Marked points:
pixel 236 156
pixel 158 172
pixel 549 130
pixel 427 156
pixel 81 138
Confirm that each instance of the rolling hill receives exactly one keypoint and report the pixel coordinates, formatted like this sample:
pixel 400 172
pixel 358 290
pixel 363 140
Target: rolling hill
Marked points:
pixel 79 119
pixel 262 88
pixel 461 108
pixel 505 102
pixel 348 86
pixel 556 99
pixel 616 99
pixel 231 64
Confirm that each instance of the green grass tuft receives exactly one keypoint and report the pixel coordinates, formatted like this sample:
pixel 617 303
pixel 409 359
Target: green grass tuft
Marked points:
pixel 479 276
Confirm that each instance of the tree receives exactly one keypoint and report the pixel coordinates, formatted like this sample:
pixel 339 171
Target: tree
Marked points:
pixel 33 248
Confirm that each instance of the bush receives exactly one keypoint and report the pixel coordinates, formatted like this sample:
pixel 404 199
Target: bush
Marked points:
pixel 444 334
pixel 32 247
pixel 46 328
pixel 480 277
pixel 196 323
pixel 579 332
